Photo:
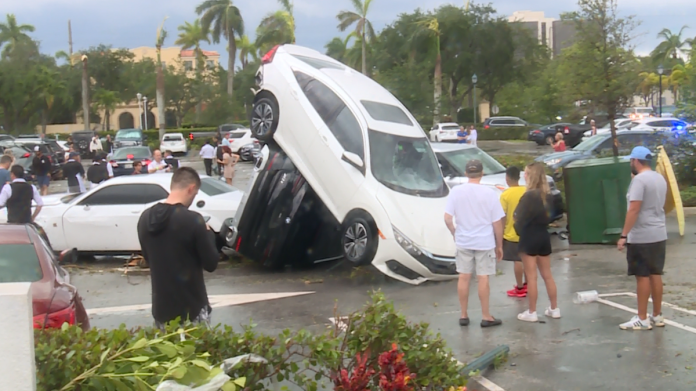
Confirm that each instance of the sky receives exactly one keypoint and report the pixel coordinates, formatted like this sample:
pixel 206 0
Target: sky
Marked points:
pixel 134 23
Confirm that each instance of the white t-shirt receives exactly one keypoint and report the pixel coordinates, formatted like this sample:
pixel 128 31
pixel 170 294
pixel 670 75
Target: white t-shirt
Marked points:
pixel 473 137
pixel 154 165
pixel 475 208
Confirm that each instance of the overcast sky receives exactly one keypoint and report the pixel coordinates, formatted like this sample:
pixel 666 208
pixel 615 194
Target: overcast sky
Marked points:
pixel 133 23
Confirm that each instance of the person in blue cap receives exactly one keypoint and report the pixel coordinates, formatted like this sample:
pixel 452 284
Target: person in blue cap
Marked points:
pixel 644 236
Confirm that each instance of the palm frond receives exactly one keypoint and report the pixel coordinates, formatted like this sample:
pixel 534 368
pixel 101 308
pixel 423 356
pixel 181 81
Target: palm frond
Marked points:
pixel 346 19
pixel 358 6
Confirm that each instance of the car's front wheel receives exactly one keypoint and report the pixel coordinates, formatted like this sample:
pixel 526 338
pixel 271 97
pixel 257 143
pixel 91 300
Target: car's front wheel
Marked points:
pixel 264 117
pixel 359 239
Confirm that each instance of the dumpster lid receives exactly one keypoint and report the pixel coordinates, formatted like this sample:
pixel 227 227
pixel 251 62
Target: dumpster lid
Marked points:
pixel 604 161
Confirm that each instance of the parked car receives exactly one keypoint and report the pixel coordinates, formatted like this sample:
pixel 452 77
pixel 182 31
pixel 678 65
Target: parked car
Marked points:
pixel 129 138
pixel 639 113
pixel 504 122
pixel 4 137
pixel 63 144
pixel 122 159
pixel 174 142
pixel 23 155
pixel 81 141
pixel 250 151
pixel 654 124
pixel 545 135
pixel 26 257
pixel 453 159
pixel 104 219
pixel 444 132
pixel 601 145
pixel 57 155
pixel 239 138
pixel 354 151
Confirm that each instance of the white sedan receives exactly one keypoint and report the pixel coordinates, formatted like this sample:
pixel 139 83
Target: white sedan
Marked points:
pixel 174 142
pixel 104 219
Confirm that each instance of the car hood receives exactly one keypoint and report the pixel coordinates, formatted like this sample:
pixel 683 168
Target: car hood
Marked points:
pixel 420 219
pixel 558 155
pixel 54 199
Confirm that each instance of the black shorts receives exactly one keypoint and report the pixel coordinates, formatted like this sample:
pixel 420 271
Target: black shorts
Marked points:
pixel 511 251
pixel 646 259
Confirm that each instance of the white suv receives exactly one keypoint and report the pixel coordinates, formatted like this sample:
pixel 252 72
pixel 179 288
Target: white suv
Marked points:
pixel 363 155
pixel 444 132
pixel 174 142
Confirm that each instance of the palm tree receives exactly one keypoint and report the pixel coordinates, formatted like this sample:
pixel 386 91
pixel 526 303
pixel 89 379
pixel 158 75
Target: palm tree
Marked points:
pixel 277 27
pixel 226 21
pixel 48 87
pixel 430 28
pixel 671 46
pixel 338 48
pixel 161 36
pixel 11 34
pixel 647 86
pixel 363 27
pixel 681 75
pixel 106 100
pixel 190 37
pixel 247 50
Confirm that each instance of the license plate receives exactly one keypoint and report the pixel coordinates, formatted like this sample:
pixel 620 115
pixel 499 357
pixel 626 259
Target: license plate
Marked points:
pixel 567 131
pixel 128 165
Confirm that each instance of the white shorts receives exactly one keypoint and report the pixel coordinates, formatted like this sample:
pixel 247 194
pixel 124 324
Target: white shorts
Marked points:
pixel 482 260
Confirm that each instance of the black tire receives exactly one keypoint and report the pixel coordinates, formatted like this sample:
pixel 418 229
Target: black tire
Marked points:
pixel 359 239
pixel 264 117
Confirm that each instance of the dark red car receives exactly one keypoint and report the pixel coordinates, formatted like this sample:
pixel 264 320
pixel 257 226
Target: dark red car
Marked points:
pixel 26 257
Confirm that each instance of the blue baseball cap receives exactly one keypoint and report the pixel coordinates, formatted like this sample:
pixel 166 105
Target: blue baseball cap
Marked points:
pixel 640 153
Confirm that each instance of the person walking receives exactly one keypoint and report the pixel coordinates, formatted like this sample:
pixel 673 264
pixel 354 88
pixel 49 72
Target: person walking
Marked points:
pixel 17 197
pixel 177 242
pixel 109 144
pixel 559 145
pixel 41 167
pixel 644 236
pixel 593 128
pixel 208 154
pixel 5 176
pixel 95 146
pixel 229 160
pixel 218 169
pixel 97 173
pixel 472 138
pixel 158 165
pixel 75 173
pixel 478 235
pixel 532 218
pixel 509 201
pixel 105 163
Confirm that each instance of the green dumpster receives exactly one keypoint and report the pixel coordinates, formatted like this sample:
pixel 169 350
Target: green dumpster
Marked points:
pixel 596 199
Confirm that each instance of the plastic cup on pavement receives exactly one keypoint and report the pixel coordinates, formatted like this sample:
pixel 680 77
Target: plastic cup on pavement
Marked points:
pixel 585 297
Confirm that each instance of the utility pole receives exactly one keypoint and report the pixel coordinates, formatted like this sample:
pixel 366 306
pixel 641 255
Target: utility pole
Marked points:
pixel 85 93
pixel 70 41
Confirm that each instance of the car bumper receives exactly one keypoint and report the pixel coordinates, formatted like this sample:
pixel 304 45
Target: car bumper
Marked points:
pixel 175 148
pixel 446 137
pixel 394 261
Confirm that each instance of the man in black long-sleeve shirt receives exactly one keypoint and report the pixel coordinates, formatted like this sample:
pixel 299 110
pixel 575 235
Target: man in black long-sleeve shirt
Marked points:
pixel 178 245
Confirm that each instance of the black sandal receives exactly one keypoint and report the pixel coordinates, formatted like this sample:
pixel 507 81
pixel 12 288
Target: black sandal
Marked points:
pixel 464 321
pixel 491 323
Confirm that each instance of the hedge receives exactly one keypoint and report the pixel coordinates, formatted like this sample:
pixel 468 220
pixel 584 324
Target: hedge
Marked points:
pixel 505 133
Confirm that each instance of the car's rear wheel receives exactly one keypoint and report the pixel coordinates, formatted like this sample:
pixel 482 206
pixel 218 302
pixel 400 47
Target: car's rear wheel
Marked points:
pixel 264 117
pixel 359 239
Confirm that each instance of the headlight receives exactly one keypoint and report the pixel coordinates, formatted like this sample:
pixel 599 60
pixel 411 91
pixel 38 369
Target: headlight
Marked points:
pixel 406 243
pixel 552 162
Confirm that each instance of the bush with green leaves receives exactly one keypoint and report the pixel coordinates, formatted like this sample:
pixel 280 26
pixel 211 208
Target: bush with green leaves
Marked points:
pixel 306 359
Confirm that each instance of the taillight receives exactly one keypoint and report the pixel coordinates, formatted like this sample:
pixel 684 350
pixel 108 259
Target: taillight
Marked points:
pixel 268 57
pixel 26 155
pixel 146 162
pixel 190 136
pixel 56 319
pixel 239 243
pixel 487 126
pixel 129 156
pixel 536 131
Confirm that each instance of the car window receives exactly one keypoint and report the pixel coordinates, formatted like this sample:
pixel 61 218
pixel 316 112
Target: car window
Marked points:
pixel 172 137
pixel 128 134
pixel 213 187
pixel 628 141
pixel 336 115
pixel 503 122
pixel 19 263
pixel 451 127
pixel 126 194
pixel 237 134
pixel 136 153
pixel 317 63
pixel 384 112
pixel 460 157
pixel 520 122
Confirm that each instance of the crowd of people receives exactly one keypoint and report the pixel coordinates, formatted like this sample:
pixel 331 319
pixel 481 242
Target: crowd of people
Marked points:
pixel 219 155
pixel 488 228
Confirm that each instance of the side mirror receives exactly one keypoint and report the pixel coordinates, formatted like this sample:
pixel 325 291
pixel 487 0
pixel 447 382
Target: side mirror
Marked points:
pixel 68 256
pixel 354 160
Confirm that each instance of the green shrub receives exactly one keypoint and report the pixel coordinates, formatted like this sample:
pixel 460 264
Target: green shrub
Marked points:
pixel 688 196
pixel 302 357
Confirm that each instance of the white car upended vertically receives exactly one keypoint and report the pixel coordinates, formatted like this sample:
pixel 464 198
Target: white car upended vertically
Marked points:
pixel 364 155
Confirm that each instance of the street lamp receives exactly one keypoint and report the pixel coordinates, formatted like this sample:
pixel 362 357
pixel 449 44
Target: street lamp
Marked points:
pixel 660 71
pixel 474 80
pixel 145 109
pixel 140 107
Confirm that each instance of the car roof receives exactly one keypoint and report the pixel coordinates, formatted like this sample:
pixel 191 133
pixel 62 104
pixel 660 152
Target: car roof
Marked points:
pixel 504 117
pixel 448 124
pixel 449 147
pixel 164 179
pixel 653 119
pixel 14 234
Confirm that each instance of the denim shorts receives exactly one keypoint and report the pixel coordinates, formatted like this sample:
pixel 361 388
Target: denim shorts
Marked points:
pixel 43 180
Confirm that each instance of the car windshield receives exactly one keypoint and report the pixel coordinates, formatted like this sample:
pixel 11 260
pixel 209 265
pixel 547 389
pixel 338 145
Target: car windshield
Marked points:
pixel 136 152
pixel 19 263
pixel 213 187
pixel 384 112
pixel 406 164
pixel 450 127
pixel 590 143
pixel 172 137
pixel 128 134
pixel 460 157
pixel 237 134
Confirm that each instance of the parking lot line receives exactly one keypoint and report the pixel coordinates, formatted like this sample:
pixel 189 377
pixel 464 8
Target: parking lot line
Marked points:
pixel 633 311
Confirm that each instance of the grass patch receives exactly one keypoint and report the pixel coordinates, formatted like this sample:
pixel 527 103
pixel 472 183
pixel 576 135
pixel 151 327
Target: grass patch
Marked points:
pixel 688 196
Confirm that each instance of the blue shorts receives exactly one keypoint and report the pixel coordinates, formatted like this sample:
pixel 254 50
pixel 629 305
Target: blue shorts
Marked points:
pixel 43 180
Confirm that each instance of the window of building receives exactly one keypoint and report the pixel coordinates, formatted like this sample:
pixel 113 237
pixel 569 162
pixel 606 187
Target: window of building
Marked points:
pixel 188 65
pixel 210 64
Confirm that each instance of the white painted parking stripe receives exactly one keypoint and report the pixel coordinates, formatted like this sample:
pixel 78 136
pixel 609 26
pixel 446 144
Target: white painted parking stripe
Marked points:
pixel 664 304
pixel 633 311
pixel 216 301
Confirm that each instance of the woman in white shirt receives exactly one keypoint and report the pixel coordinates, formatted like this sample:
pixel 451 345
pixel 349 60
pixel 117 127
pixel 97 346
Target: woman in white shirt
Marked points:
pixel 95 146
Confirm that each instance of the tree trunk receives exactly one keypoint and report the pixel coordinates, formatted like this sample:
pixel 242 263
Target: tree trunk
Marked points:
pixel 85 94
pixel 364 51
pixel 107 119
pixel 160 100
pixel 44 121
pixel 437 94
pixel 230 61
pixel 612 127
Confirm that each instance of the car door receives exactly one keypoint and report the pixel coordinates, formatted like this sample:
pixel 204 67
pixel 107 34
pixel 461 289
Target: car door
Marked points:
pixel 340 132
pixel 107 220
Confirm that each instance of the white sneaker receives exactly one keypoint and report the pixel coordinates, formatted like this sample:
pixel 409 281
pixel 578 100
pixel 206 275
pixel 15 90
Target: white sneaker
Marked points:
pixel 657 321
pixel 636 324
pixel 527 316
pixel 556 314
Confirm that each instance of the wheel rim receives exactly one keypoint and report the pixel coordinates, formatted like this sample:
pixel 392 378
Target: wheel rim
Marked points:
pixel 355 241
pixel 262 120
